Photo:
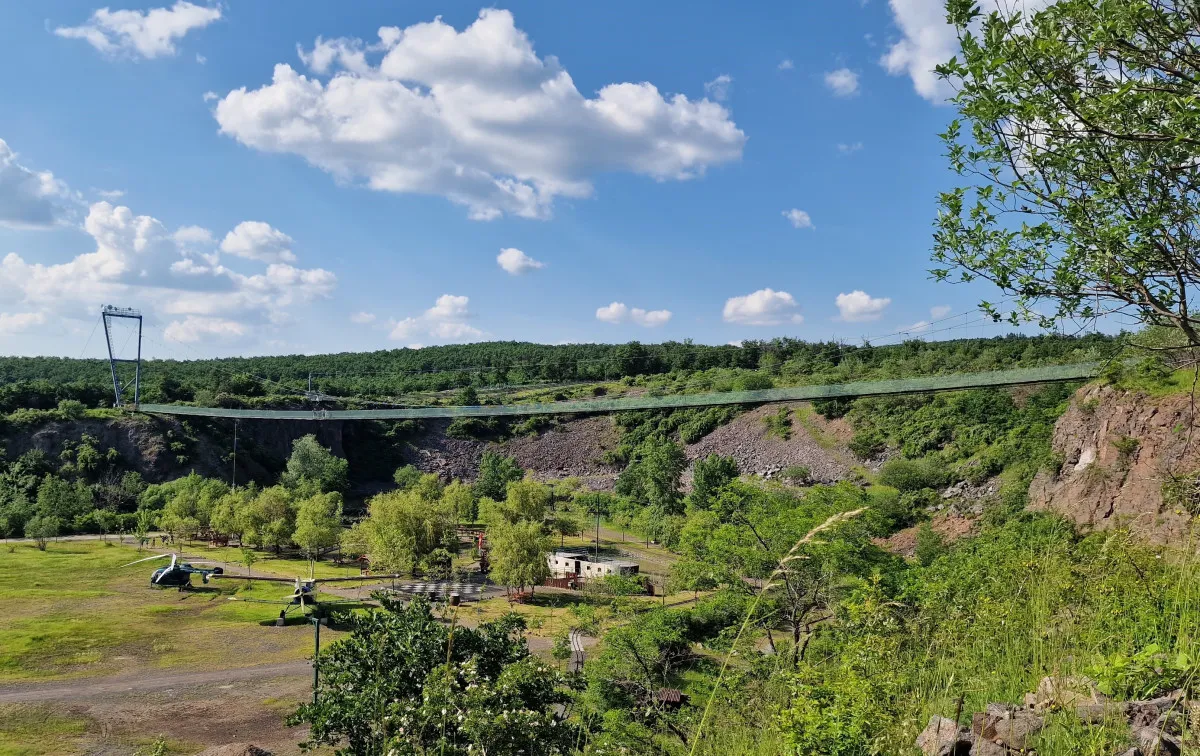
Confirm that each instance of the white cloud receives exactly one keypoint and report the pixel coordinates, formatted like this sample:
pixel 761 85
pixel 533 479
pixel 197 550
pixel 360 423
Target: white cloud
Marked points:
pixel 918 327
pixel 362 318
pixel 929 41
pixel 255 240
pixel 15 322
pixel 938 312
pixel 197 328
pixel 785 65
pixel 193 235
pixel 719 88
pixel 516 262
pixel 474 116
pixel 798 218
pixel 201 59
pixel 445 321
pixel 141 34
pixel 850 148
pixel 843 82
pixel 765 307
pixel 618 312
pixel 650 318
pixel 111 194
pixel 210 96
pixel 28 198
pixel 859 307
pixel 136 259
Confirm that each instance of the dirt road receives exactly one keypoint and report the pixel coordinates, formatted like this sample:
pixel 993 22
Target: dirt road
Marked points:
pixel 121 684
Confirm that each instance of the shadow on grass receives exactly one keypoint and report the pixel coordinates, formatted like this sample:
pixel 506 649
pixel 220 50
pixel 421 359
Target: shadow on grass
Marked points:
pixel 336 618
pixel 557 600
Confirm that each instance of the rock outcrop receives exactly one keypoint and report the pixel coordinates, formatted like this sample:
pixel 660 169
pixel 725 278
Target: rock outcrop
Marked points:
pixel 1120 449
pixel 1156 727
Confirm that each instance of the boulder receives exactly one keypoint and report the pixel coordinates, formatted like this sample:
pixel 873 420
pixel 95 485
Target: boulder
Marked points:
pixel 943 737
pixel 1064 692
pixel 1154 742
pixel 988 748
pixel 1005 725
pixel 1098 713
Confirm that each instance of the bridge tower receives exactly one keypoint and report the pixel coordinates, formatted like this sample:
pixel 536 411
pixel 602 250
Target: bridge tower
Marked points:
pixel 109 313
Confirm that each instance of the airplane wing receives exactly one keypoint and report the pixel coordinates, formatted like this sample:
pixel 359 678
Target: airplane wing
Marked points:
pixel 260 601
pixel 148 559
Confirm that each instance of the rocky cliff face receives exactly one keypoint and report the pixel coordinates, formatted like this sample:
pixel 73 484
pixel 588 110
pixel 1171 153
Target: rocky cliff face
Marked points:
pixel 1120 449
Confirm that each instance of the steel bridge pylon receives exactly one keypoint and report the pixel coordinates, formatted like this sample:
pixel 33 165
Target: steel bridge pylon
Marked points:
pixel 107 313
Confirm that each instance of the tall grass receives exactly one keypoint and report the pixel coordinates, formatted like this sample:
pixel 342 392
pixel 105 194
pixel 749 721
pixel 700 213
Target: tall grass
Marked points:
pixel 1031 600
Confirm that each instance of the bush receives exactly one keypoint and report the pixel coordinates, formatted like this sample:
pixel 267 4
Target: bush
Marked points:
pixel 779 424
pixel 474 428
pixel 866 444
pixel 798 474
pixel 406 477
pixel 929 545
pixel 912 474
pixel 72 409
pixel 562 647
pixel 753 382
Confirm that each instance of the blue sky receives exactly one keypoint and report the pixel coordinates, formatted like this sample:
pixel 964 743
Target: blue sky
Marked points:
pixel 310 177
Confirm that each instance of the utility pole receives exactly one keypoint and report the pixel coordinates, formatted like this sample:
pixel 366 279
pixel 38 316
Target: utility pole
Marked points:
pixel 233 469
pixel 316 653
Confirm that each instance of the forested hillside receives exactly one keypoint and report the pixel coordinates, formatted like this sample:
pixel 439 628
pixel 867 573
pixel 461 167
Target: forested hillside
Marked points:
pixel 42 382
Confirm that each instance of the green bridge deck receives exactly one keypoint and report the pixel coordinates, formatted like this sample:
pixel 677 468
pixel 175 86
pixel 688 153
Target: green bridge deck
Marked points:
pixel 1049 374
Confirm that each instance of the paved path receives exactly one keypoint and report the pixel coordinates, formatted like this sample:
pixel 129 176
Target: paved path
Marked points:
pixel 577 656
pixel 109 686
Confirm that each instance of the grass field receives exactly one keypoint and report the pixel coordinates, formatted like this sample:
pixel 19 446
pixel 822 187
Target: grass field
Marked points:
pixel 72 610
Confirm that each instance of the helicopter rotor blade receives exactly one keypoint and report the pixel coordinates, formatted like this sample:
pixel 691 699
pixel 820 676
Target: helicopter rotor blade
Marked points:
pixel 147 559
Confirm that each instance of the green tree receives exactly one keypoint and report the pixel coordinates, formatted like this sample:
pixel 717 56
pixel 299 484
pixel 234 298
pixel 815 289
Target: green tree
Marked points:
pixel 401 528
pixel 524 500
pixel 1079 152
pixel 429 487
pixel 42 528
pixel 445 690
pixel 313 462
pixel 271 517
pixel 249 557
pixel 518 553
pixel 406 477
pixel 496 471
pixel 709 476
pixel 145 522
pixel 227 516
pixel 63 501
pixel 467 397
pixel 653 477
pixel 318 524
pixel 566 523
pixel 462 501
pixel 15 511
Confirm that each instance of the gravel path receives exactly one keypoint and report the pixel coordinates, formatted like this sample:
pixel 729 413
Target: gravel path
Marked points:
pixel 140 683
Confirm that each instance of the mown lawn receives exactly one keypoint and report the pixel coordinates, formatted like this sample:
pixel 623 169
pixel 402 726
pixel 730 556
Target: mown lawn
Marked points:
pixel 73 610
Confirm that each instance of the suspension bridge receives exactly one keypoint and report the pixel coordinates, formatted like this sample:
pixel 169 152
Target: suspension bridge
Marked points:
pixel 130 399
pixel 922 385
